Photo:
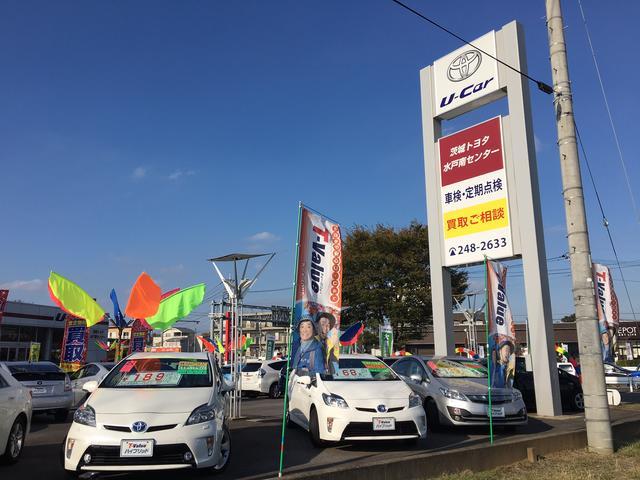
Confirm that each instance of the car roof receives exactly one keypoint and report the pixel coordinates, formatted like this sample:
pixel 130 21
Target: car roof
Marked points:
pixel 361 356
pixel 200 355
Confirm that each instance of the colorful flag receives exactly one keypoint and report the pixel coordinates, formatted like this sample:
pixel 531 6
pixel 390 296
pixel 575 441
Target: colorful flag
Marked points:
pixel 177 306
pixel 500 328
pixel 207 344
pixel 144 299
pixel 4 294
pixel 118 318
pixel 608 309
pixel 318 294
pixel 350 335
pixel 74 300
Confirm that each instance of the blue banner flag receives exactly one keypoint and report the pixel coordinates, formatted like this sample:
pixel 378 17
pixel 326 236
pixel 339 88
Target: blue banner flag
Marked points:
pixel 118 318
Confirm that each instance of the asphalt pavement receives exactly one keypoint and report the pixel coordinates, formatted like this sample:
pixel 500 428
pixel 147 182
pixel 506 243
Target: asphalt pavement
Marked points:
pixel 256 443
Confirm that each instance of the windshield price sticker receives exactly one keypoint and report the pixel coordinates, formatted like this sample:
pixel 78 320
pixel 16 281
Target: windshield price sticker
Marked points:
pixel 150 379
pixel 127 367
pixel 192 368
pixel 353 373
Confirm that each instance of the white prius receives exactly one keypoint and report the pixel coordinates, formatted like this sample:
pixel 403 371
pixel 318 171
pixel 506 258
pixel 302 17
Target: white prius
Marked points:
pixel 363 400
pixel 153 411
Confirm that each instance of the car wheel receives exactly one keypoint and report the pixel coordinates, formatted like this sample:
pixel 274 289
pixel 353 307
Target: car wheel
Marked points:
pixel 273 390
pixel 225 451
pixel 15 442
pixel 578 401
pixel 433 419
pixel 60 415
pixel 314 429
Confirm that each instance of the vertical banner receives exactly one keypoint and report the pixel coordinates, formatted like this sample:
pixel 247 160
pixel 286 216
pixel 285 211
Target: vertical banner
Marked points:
pixel 34 352
pixel 138 340
pixel 4 294
pixel 500 327
pixel 316 322
pixel 608 310
pixel 74 344
pixel 386 340
pixel 271 343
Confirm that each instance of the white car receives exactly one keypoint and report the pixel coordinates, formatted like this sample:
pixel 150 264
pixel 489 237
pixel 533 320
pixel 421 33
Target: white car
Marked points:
pixel 91 371
pixel 262 377
pixel 153 411
pixel 15 416
pixel 567 367
pixel 363 400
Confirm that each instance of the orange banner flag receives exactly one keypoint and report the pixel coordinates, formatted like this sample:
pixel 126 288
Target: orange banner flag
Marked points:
pixel 144 299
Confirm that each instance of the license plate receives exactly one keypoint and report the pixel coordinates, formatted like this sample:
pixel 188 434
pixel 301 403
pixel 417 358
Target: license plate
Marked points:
pixel 39 390
pixel 384 424
pixel 496 411
pixel 136 448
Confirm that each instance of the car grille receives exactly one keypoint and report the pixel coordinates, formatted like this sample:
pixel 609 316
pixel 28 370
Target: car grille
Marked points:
pixel 365 429
pixel 374 410
pixel 495 399
pixel 156 428
pixel 102 455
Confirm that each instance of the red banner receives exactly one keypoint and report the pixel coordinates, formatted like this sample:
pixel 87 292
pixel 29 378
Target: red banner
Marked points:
pixel 4 294
pixel 75 344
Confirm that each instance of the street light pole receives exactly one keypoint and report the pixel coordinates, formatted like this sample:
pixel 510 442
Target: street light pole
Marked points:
pixel 596 411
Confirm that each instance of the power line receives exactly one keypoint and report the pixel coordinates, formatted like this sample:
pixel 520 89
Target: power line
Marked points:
pixel 541 85
pixel 613 127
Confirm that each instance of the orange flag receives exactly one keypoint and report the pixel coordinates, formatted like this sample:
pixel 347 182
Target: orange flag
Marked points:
pixel 144 299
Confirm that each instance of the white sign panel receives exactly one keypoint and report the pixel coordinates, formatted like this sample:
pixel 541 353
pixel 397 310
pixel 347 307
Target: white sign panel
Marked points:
pixel 467 75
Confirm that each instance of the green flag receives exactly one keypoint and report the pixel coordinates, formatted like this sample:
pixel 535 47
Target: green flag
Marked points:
pixel 177 306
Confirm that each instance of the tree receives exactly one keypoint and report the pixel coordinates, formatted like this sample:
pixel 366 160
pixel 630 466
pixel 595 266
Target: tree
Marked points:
pixel 386 274
pixel 569 318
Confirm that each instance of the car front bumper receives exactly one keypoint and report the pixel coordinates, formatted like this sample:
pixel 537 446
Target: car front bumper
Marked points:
pixel 337 424
pixel 170 447
pixel 463 412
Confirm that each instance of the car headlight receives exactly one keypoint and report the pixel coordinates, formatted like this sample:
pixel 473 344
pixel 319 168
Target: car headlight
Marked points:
pixel 453 394
pixel 334 401
pixel 516 395
pixel 85 415
pixel 204 413
pixel 414 400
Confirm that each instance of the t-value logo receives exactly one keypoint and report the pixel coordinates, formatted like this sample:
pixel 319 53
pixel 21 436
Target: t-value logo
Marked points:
pixel 465 75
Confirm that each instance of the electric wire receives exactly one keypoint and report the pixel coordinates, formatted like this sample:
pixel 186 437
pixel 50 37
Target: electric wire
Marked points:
pixel 613 127
pixel 542 86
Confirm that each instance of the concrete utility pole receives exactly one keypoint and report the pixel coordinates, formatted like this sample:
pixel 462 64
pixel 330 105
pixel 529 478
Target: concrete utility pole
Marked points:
pixel 596 411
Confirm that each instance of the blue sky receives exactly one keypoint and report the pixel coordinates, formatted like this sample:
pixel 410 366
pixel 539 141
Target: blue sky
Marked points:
pixel 152 135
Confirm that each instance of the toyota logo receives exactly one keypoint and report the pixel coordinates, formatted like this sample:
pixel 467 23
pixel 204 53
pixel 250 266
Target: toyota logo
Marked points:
pixel 138 427
pixel 464 65
pixel 382 408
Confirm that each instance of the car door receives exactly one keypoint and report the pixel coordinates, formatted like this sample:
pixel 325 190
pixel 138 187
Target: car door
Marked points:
pixel 76 384
pixel 8 405
pixel 299 400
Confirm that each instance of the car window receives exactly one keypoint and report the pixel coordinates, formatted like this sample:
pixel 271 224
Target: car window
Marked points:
pixel 402 368
pixel 416 369
pixel 90 371
pixel 277 365
pixel 31 372
pixel 3 382
pixel 361 369
pixel 77 374
pixel 161 372
pixel 251 367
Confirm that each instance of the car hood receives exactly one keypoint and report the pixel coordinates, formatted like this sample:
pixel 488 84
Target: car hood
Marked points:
pixel 148 400
pixel 472 386
pixel 365 390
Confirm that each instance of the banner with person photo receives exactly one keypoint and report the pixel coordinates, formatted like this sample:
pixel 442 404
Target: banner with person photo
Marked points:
pixel 608 310
pixel 501 331
pixel 318 294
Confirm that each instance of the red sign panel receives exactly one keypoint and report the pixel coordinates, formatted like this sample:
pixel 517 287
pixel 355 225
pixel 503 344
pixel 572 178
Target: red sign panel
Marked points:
pixel 4 294
pixel 471 152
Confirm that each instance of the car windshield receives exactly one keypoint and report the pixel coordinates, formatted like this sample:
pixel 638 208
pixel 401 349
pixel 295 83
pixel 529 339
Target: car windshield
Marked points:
pixel 31 372
pixel 356 369
pixel 251 367
pixel 446 368
pixel 160 373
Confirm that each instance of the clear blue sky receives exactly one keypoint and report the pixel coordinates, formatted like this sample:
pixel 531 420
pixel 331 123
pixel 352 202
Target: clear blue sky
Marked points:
pixel 152 135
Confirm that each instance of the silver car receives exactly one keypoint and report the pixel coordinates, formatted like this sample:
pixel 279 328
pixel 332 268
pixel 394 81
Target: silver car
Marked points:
pixel 454 392
pixel 50 386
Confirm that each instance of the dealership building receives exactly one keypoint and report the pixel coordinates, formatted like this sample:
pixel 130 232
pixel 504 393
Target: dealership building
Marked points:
pixel 627 346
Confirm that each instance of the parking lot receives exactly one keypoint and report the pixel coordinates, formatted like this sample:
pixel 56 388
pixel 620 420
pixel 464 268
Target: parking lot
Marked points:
pixel 256 440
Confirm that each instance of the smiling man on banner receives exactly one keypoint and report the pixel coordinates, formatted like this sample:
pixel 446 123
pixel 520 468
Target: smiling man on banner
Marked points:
pixel 500 328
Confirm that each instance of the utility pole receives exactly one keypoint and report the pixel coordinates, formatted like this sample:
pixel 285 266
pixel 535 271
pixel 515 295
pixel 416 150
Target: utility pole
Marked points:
pixel 596 411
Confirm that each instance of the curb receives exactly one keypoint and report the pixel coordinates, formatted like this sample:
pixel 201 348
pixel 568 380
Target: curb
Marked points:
pixel 478 458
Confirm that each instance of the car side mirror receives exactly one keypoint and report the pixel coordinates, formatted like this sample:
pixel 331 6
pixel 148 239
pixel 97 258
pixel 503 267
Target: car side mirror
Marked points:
pixel 304 380
pixel 90 387
pixel 226 387
pixel 415 378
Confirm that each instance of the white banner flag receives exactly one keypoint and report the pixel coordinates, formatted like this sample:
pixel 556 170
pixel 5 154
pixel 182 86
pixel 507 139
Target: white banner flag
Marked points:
pixel 608 310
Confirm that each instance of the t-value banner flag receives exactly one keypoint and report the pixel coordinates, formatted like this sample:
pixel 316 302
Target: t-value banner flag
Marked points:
pixel 608 309
pixel 500 327
pixel 318 294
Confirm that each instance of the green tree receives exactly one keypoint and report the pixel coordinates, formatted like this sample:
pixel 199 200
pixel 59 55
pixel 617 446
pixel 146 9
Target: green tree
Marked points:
pixel 386 274
pixel 569 318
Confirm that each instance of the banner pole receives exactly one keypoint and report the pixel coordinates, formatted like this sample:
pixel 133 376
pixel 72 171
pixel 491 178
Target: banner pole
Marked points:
pixel 291 314
pixel 486 330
